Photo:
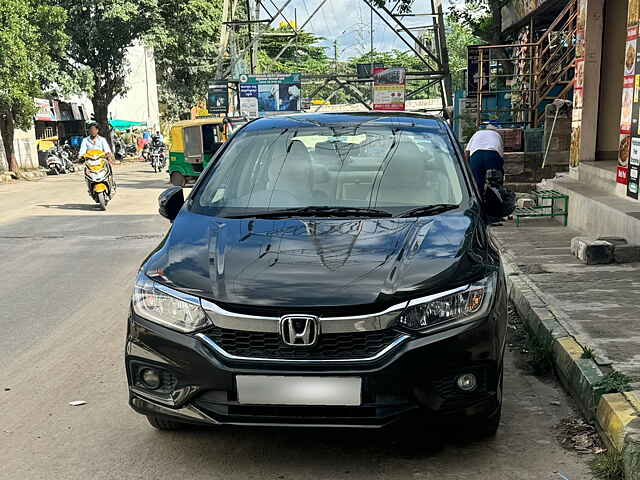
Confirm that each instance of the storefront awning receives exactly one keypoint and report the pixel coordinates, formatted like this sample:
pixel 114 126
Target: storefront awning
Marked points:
pixel 125 124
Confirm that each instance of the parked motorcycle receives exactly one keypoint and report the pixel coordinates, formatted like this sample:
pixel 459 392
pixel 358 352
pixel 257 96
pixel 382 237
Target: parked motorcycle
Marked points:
pixel 99 177
pixel 66 154
pixel 119 149
pixel 55 164
pixel 131 150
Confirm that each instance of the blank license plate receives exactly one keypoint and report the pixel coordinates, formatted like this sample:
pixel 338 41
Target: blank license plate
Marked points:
pixel 275 390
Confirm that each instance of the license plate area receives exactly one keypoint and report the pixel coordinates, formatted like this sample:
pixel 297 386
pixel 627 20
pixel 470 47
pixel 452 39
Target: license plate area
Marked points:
pixel 301 391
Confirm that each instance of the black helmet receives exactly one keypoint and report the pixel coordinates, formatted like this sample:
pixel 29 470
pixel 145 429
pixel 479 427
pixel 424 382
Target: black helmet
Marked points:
pixel 93 124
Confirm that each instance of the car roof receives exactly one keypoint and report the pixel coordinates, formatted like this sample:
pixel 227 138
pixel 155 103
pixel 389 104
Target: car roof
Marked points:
pixel 199 121
pixel 302 120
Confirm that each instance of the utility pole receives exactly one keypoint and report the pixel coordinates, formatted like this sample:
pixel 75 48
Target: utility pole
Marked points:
pixel 371 53
pixel 224 36
pixel 254 49
pixel 251 59
pixel 335 56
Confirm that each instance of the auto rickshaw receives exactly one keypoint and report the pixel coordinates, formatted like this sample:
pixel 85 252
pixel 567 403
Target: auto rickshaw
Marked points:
pixel 193 144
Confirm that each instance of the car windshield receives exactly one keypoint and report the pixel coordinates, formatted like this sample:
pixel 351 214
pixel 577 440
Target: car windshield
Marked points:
pixel 377 168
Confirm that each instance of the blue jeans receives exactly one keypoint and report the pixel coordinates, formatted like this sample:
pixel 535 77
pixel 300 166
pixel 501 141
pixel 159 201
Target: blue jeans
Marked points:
pixel 483 160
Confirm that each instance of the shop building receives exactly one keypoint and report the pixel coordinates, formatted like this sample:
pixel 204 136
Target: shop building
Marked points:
pixel 568 77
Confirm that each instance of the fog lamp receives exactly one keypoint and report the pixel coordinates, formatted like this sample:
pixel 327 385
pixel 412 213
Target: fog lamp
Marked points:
pixel 467 382
pixel 150 377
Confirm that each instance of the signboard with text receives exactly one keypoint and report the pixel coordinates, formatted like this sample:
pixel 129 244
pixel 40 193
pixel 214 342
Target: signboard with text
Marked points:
pixel 389 88
pixel 269 94
pixel 218 97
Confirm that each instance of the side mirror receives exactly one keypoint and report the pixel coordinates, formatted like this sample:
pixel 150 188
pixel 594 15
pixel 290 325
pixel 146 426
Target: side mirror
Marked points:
pixel 170 202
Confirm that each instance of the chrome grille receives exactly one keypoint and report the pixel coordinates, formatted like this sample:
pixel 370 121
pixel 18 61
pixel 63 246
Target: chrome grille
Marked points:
pixel 330 346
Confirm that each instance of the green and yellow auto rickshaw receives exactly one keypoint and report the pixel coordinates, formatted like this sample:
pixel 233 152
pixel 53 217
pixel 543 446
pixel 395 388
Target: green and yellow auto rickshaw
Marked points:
pixel 193 144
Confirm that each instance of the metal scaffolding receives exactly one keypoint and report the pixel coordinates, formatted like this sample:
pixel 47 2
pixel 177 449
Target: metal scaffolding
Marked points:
pixel 259 15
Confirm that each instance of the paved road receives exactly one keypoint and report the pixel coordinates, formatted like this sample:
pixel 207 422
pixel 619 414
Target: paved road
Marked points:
pixel 65 283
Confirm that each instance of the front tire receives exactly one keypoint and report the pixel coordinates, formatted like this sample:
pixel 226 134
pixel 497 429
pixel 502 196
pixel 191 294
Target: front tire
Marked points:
pixel 178 179
pixel 102 200
pixel 162 423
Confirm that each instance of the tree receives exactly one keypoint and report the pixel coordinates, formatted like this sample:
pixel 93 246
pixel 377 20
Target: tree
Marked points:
pixel 186 50
pixel 459 36
pixel 31 40
pixel 483 17
pixel 100 33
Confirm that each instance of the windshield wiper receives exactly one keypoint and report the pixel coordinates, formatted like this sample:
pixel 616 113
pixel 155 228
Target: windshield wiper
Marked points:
pixel 316 211
pixel 429 210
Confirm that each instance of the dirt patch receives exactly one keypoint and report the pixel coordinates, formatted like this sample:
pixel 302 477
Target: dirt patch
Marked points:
pixel 573 433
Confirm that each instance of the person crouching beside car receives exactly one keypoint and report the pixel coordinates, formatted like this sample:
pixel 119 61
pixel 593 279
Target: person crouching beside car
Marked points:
pixel 484 152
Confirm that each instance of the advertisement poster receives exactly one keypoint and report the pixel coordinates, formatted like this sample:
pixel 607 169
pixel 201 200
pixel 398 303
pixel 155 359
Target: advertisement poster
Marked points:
pixel 634 167
pixel 623 158
pixel 389 88
pixel 627 104
pixel 45 112
pixel 576 115
pixel 269 93
pixel 624 152
pixel 634 11
pixel 473 71
pixel 218 97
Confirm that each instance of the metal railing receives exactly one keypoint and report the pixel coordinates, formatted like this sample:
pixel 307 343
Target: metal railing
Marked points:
pixel 515 81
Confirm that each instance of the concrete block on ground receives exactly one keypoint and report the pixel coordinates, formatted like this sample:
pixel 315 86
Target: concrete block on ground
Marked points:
pixel 626 253
pixel 592 252
pixel 613 240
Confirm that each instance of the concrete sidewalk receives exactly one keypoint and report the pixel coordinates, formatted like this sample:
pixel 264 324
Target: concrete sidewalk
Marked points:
pixel 581 308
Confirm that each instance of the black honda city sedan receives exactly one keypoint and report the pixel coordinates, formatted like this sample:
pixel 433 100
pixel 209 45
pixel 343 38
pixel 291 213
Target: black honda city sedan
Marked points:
pixel 326 270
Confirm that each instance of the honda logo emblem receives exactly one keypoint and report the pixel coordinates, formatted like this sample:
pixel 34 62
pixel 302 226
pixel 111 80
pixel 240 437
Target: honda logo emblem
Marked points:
pixel 299 330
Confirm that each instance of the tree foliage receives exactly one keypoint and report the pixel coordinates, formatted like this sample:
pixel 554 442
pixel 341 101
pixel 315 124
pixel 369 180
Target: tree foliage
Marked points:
pixel 100 32
pixel 31 41
pixel 186 50
pixel 459 36
pixel 483 18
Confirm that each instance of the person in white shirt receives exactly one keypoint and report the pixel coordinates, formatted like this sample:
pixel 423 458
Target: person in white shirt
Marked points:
pixel 484 152
pixel 94 142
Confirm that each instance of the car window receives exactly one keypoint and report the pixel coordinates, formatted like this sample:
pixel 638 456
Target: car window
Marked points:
pixel 374 167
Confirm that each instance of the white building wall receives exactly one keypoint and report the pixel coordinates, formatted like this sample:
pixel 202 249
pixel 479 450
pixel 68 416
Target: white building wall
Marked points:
pixel 140 104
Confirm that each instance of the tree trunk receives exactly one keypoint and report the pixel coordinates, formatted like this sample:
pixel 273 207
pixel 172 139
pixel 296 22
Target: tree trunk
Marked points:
pixel 7 127
pixel 496 21
pixel 101 112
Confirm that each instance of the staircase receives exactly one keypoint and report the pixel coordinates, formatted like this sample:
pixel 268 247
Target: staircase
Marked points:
pixel 531 75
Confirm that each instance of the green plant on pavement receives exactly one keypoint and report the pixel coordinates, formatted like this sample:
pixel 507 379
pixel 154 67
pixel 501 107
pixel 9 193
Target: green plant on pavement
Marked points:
pixel 614 382
pixel 588 353
pixel 541 350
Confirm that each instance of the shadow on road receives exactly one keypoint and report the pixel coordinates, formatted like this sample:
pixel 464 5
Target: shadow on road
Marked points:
pixel 73 206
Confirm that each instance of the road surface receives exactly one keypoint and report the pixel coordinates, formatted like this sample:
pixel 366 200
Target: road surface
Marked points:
pixel 66 276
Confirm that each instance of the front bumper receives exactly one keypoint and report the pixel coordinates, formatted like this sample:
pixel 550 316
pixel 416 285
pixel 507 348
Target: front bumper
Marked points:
pixel 416 378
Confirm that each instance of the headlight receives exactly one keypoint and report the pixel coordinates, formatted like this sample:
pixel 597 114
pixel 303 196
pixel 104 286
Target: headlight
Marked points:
pixel 168 307
pixel 460 305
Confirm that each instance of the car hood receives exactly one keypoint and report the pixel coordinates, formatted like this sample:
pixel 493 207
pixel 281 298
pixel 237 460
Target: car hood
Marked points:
pixel 319 262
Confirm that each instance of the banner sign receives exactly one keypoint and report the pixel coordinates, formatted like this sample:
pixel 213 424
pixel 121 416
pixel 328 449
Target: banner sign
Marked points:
pixel 45 112
pixel 218 97
pixel 389 88
pixel 626 122
pixel 269 93
pixel 473 71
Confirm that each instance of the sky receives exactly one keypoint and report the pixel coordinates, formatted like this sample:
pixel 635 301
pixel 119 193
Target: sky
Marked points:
pixel 348 22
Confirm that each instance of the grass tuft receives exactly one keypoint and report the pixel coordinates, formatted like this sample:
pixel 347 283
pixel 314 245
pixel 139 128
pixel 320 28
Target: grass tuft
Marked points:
pixel 608 466
pixel 588 353
pixel 614 382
